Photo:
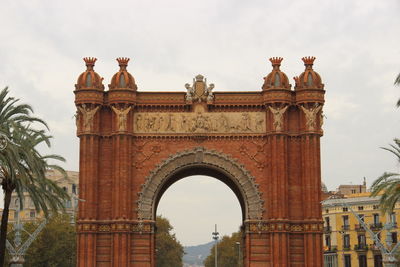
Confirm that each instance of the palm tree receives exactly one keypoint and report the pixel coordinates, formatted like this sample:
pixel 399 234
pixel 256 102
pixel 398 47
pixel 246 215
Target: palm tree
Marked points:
pixel 389 183
pixel 22 167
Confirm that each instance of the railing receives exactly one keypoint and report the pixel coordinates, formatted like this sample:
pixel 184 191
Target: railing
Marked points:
pixel 346 227
pixel 375 226
pixel 361 247
pixel 346 247
pixel 359 227
pixel 327 229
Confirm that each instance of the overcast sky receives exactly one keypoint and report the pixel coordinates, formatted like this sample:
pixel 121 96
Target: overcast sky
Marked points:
pixel 357 45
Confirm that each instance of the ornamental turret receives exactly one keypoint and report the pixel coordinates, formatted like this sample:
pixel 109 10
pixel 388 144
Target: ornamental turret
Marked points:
pixel 310 98
pixel 309 79
pixel 89 79
pixel 276 79
pixel 123 79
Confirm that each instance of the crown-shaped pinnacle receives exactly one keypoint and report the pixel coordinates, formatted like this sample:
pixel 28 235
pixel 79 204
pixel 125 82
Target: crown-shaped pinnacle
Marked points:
pixel 90 62
pixel 123 61
pixel 276 61
pixel 308 61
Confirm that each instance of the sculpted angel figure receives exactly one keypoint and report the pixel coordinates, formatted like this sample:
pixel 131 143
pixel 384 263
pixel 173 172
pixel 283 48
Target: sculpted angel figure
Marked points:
pixel 278 117
pixel 189 93
pixel 122 115
pixel 311 115
pixel 210 96
pixel 88 115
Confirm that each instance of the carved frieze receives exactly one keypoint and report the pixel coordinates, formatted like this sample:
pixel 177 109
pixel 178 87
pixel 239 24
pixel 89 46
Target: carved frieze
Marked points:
pixel 199 122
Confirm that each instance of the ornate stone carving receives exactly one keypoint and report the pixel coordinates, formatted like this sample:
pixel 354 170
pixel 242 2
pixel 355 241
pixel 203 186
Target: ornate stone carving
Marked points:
pixel 277 113
pixel 122 117
pixel 311 115
pixel 199 91
pixel 141 156
pixel 200 157
pixel 258 157
pixel 199 122
pixel 87 115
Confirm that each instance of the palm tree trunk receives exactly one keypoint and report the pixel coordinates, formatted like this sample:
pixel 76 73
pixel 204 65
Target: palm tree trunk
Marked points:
pixel 3 227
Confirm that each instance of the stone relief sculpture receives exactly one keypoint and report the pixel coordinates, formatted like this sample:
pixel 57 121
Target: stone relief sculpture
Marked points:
pixel 200 122
pixel 311 115
pixel 189 93
pixel 278 117
pixel 122 117
pixel 88 115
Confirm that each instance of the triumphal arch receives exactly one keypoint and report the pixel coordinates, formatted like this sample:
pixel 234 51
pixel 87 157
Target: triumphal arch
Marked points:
pixel 263 144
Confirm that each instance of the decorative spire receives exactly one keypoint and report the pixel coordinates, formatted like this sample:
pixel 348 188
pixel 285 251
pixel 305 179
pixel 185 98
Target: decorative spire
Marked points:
pixel 123 62
pixel 276 61
pixel 296 80
pixel 89 62
pixel 308 61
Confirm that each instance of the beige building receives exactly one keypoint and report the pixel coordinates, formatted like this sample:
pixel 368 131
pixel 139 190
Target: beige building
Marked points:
pixel 69 184
pixel 346 243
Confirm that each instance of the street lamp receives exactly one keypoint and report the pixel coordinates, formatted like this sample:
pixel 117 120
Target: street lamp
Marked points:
pixel 215 237
pixel 238 244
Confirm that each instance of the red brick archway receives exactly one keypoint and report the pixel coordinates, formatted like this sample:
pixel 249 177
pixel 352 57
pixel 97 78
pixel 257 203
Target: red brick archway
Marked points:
pixel 263 144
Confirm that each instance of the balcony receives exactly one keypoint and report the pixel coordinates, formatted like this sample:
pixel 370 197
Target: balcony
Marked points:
pixel 375 248
pixel 376 226
pixel 327 229
pixel 359 228
pixel 360 247
pixel 330 249
pixel 346 247
pixel 346 227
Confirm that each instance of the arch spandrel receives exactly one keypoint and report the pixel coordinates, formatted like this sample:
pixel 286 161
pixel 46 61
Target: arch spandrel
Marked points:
pixel 241 179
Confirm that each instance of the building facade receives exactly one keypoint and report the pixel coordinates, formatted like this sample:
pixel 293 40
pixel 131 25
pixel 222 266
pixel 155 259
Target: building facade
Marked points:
pixel 28 212
pixel 346 243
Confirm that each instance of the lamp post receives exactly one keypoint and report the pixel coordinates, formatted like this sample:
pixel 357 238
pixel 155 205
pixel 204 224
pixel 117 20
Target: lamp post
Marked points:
pixel 215 237
pixel 238 244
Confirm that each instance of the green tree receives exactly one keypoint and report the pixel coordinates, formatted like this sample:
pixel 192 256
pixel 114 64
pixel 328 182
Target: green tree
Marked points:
pixel 228 252
pixel 169 251
pixel 389 183
pixel 22 167
pixel 55 245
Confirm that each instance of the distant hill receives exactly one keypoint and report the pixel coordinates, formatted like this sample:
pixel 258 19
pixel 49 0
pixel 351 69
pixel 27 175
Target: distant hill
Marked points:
pixel 195 255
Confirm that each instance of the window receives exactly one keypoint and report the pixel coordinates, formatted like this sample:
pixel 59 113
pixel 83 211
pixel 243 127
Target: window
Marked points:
pixel 360 207
pixel 68 204
pixel 375 207
pixel 74 189
pixel 345 220
pixel 65 189
pixel 327 222
pixel 327 211
pixel 394 237
pixel 361 240
pixel 376 218
pixel 328 241
pixel 393 217
pixel 353 191
pixel 345 209
pixel 347 260
pixel 378 261
pixel 362 259
pixel 346 241
pixel 32 214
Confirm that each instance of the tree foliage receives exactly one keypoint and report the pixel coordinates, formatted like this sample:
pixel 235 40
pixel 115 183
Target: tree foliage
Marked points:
pixel 397 82
pixel 227 252
pixel 22 167
pixel 389 183
pixel 169 251
pixel 55 245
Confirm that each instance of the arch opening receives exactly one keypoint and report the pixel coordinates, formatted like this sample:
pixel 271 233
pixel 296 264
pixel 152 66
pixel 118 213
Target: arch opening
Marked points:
pixel 201 162
pixel 202 170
